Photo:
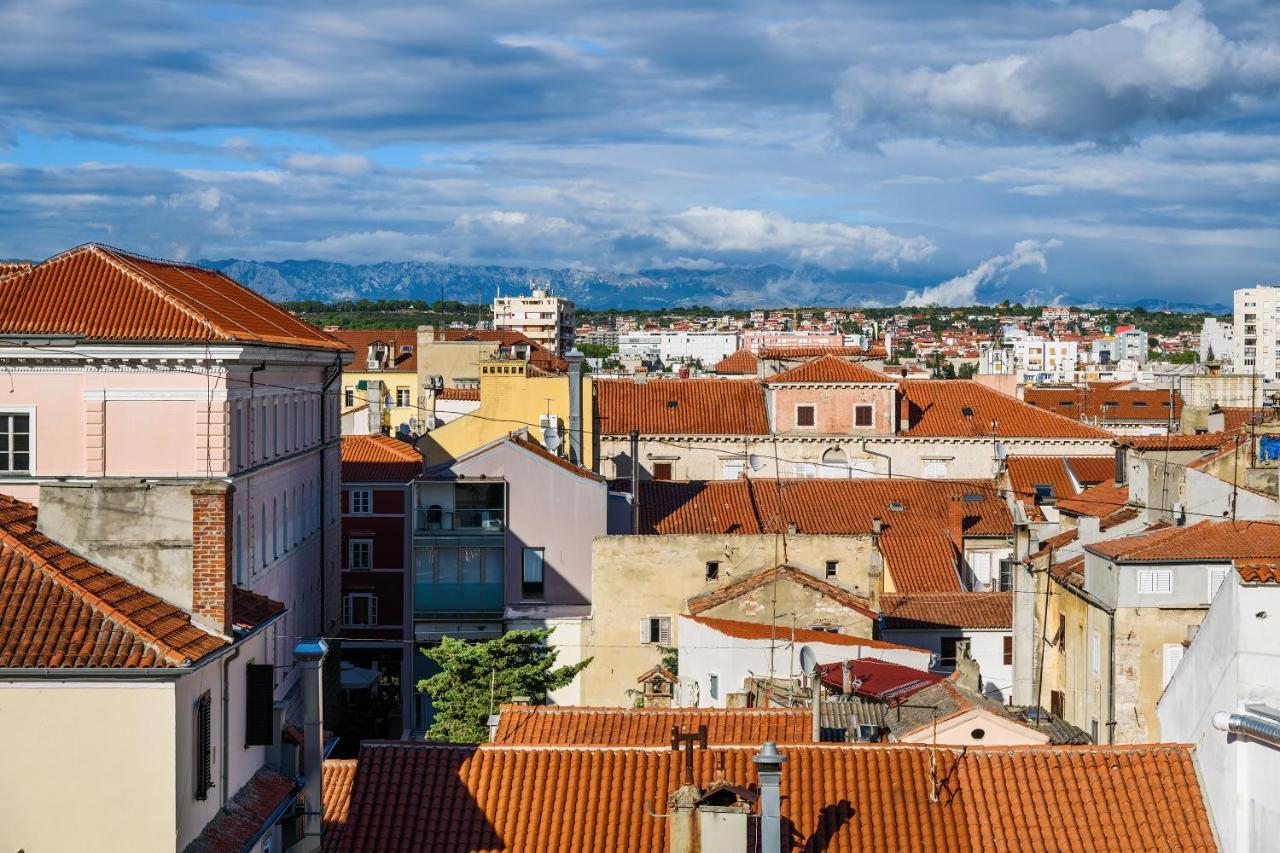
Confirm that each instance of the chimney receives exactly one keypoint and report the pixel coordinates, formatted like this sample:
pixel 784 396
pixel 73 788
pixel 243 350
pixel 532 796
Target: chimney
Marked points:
pixel 1122 465
pixel 768 763
pixel 955 522
pixel 309 654
pixel 1217 420
pixel 574 357
pixel 682 827
pixel 211 556
pixel 967 673
pixel 1088 529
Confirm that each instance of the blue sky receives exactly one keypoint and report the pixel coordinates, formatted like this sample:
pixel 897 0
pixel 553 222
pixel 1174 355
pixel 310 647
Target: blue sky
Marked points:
pixel 1071 150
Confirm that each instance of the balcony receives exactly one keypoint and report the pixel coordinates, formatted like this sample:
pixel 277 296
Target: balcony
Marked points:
pixel 433 599
pixel 457 578
pixel 433 521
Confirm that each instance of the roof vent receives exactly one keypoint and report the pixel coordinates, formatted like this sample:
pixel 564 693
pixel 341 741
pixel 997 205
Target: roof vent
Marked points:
pixel 972 497
pixel 896 506
pixel 671 404
pixel 966 411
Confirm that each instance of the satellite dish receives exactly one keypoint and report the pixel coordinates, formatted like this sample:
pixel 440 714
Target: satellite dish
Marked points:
pixel 551 438
pixel 1001 453
pixel 808 660
pixel 755 462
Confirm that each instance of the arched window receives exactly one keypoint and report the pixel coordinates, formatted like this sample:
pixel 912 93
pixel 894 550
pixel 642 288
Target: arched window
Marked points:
pixel 284 524
pixel 835 463
pixel 262 535
pixel 238 570
pixel 275 528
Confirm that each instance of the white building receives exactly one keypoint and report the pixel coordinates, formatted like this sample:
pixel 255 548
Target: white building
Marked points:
pixel 1254 332
pixel 938 622
pixel 1223 697
pixel 679 347
pixel 1031 358
pixel 1127 344
pixel 540 316
pixel 1216 338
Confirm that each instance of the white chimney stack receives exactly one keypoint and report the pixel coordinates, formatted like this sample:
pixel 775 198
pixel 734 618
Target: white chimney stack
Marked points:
pixel 769 770
pixel 310 653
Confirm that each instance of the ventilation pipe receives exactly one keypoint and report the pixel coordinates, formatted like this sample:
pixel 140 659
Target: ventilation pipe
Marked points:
pixel 1250 725
pixel 768 763
pixel 574 357
pixel 309 654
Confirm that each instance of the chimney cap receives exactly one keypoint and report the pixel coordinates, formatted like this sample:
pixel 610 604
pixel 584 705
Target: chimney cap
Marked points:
pixel 768 759
pixel 311 649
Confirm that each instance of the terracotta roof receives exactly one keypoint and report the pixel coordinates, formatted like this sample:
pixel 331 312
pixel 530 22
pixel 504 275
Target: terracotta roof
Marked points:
pixel 1070 572
pixel 1234 417
pixel 828 369
pixel 682 407
pixel 245 815
pixel 979 610
pixel 714 598
pixel 558 725
pixel 1202 441
pixel 1091 470
pixel 360 340
pixel 97 293
pixel 539 356
pixel 1027 472
pixel 760 631
pixel 741 363
pixel 458 394
pixel 1258 571
pixel 841 799
pixel 1100 500
pixel 338 778
pixel 1208 540
pixel 541 452
pixel 783 353
pixel 249 609
pixel 379 458
pixel 1105 402
pixel 878 679
pixel 936 407
pixel 922 562
pixel 10 267
pixel 59 610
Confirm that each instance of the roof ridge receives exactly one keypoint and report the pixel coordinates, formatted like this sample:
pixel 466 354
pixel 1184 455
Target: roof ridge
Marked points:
pixel 116 257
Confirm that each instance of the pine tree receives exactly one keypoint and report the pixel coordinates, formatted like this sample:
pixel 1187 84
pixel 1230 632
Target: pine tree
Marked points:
pixel 475 678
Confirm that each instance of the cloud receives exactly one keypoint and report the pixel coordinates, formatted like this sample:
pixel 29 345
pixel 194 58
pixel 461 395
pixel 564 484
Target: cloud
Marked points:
pixel 716 229
pixel 1105 85
pixel 963 289
pixel 337 164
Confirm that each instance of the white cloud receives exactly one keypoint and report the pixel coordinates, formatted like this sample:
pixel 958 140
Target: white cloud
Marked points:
pixel 337 164
pixel 1154 67
pixel 963 289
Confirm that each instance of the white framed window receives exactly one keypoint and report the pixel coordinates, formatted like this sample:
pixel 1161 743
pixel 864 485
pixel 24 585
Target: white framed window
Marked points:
pixel 17 441
pixel 804 470
pixel 1172 657
pixel 864 415
pixel 1215 578
pixel 361 501
pixel 533 573
pixel 655 629
pixel 402 397
pixel 935 469
pixel 360 608
pixel 360 554
pixel 732 469
pixel 1155 581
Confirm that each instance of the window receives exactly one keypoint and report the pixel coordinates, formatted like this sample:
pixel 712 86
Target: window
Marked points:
pixel 863 415
pixel 1155 581
pixel 948 656
pixel 1062 633
pixel 1093 730
pixel 804 416
pixel 1057 703
pixel 15 443
pixel 662 470
pixel 348 397
pixel 360 554
pixel 1044 493
pixel 284 523
pixel 275 528
pixel 806 470
pixel 1095 654
pixel 732 469
pixel 935 468
pixel 713 571
pixel 361 501
pixel 1008 651
pixel 203 741
pixel 1172 657
pixel 1215 578
pixel 655 629
pixel 402 397
pixel 262 534
pixel 237 571
pixel 360 608
pixel 533 573
pixel 833 568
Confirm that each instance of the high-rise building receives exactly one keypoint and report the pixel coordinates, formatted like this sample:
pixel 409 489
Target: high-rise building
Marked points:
pixel 540 316
pixel 1256 312
pixel 1216 340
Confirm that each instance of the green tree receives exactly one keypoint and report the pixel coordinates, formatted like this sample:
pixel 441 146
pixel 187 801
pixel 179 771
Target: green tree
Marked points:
pixel 968 370
pixel 596 350
pixel 475 678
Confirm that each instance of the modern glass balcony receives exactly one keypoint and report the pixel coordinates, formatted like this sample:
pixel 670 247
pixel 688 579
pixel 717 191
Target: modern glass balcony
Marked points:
pixel 435 520
pixel 457 579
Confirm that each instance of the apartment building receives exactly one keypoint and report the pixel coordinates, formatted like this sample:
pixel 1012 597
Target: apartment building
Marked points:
pixel 381 381
pixel 542 316
pixel 1254 340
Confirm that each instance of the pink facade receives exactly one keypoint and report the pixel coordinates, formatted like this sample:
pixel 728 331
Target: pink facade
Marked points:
pixel 758 339
pixel 834 409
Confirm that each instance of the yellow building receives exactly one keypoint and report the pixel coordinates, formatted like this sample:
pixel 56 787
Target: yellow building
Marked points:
pixel 384 373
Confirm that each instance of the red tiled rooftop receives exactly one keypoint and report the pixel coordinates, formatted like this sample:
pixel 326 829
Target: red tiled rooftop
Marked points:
pixel 837 798
pixel 978 610
pixel 1208 540
pixel 741 363
pixel 539 356
pixel 360 340
pixel 786 353
pixel 559 725
pixel 59 610
pixel 541 452
pixel 1105 402
pixel 1202 441
pixel 1258 571
pixel 936 407
pixel 1100 500
pixel 245 815
pixel 878 679
pixel 98 293
pixel 682 407
pixel 250 609
pixel 458 394
pixel 761 631
pixel 828 369
pixel 379 458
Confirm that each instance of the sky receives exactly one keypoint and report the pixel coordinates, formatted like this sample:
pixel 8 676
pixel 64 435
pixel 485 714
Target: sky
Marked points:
pixel 1046 150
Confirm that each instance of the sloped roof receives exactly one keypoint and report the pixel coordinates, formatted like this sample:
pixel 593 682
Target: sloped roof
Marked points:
pixel 1208 540
pixel 1258 571
pixel 245 815
pixel 714 598
pixel 379 458
pixel 59 610
pixel 94 292
pixel 458 394
pixel 1091 470
pixel 828 369
pixel 682 407
pixel 560 725
pixel 415 796
pixel 878 679
pixel 1106 402
pixel 1200 441
pixel 250 609
pixel 538 450
pixel 939 701
pixel 359 341
pixel 740 363
pixel 783 353
pixel 980 610
pixel 1234 417
pixel 1100 500
pixel 936 407
pixel 539 356
pixel 760 631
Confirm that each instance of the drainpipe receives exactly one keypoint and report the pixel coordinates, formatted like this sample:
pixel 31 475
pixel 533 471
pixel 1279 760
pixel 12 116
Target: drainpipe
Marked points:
pixel 769 770
pixel 635 481
pixel 1111 681
pixel 886 457
pixel 226 721
pixel 1250 725
pixel 309 655
pixel 574 357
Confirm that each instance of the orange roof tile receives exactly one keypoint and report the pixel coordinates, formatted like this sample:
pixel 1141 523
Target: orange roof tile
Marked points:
pixel 1234 417
pixel 540 451
pixel 1202 441
pixel 1091 470
pixel 250 609
pixel 1027 472
pixel 759 631
pixel 741 363
pixel 828 369
pixel 922 563
pixel 1100 500
pixel 1258 571
pixel 98 293
pixel 245 815
pixel 360 340
pixel 1105 402
pixel 682 407
pixel 936 407
pixel 714 598
pixel 559 725
pixel 539 356
pixel 981 610
pixel 338 778
pixel 1208 540
pixel 784 353
pixel 458 394
pixel 838 798
pixel 379 458
pixel 59 610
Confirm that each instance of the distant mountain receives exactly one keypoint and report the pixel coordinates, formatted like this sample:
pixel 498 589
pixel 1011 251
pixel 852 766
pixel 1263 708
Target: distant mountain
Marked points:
pixel 722 287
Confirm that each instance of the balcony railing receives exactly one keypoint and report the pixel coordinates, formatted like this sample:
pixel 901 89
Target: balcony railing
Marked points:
pixel 432 520
pixel 434 598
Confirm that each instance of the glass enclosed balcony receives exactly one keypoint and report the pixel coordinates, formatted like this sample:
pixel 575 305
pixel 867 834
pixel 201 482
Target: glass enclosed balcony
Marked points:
pixel 461 579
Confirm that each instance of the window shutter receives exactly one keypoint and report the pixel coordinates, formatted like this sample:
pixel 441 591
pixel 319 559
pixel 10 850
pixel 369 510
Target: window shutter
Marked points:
pixel 1164 581
pixel 204 746
pixel 259 690
pixel 1008 651
pixel 645 635
pixel 664 630
pixel 1146 582
pixel 1216 577
pixel 1172 657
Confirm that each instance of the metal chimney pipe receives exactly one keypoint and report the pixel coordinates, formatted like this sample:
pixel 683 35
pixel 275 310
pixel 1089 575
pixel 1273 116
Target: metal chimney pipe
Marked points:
pixel 768 763
pixel 310 653
pixel 1255 727
pixel 574 357
pixel 635 481
pixel 815 684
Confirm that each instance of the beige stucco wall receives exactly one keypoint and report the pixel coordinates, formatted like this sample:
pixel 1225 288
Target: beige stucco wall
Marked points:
pixel 634 577
pixel 87 766
pixel 1068 666
pixel 1141 635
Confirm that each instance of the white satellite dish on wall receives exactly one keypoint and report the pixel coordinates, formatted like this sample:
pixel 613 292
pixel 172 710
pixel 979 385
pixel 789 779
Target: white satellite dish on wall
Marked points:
pixel 755 462
pixel 551 438
pixel 808 660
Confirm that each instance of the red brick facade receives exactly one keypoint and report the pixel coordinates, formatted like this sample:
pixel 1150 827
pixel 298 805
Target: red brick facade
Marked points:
pixel 211 556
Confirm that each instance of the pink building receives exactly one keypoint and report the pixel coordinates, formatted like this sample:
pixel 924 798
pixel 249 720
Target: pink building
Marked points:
pixel 830 396
pixel 759 339
pixel 177 429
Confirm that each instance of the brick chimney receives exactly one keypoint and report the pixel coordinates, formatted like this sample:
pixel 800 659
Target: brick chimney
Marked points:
pixel 211 556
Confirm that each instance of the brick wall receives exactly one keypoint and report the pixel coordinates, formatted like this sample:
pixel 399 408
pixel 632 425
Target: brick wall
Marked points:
pixel 211 556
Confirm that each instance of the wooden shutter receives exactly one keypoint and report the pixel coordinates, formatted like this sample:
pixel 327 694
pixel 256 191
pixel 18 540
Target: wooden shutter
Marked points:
pixel 204 746
pixel 1008 651
pixel 259 696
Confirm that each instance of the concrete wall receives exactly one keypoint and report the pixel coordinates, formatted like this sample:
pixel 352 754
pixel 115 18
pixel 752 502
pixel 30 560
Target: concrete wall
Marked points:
pixel 986 647
pixel 634 577
pixel 960 730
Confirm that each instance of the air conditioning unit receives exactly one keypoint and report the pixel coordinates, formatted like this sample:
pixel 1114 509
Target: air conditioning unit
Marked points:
pixel 372 363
